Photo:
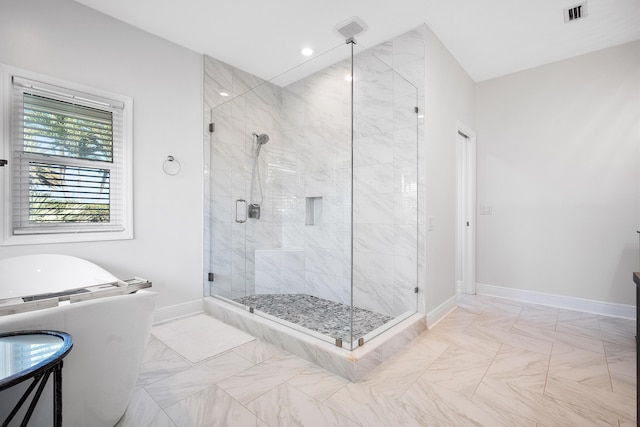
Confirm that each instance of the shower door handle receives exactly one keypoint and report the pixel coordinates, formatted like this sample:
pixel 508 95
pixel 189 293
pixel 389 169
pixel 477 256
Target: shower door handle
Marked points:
pixel 244 209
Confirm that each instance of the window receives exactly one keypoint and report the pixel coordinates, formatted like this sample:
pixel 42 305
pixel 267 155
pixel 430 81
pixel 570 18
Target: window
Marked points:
pixel 68 153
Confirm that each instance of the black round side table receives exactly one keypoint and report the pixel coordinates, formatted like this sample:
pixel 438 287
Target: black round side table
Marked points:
pixel 33 355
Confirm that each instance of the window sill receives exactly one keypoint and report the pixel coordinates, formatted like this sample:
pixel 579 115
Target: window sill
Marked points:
pixel 42 239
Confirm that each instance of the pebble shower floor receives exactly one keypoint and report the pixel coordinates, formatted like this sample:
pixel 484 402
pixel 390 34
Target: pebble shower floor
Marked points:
pixel 320 315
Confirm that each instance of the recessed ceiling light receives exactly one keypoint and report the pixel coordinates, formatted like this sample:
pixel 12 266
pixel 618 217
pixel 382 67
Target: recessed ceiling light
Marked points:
pixel 224 94
pixel 348 77
pixel 306 51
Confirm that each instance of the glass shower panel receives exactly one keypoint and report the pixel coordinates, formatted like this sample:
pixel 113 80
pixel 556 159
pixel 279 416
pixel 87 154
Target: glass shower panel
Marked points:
pixel 296 256
pixel 385 194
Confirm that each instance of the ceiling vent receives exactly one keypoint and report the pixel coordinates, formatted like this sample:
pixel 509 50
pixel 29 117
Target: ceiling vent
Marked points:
pixel 576 12
pixel 351 27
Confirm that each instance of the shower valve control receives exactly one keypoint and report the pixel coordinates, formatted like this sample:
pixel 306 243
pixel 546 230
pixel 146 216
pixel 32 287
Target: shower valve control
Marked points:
pixel 254 211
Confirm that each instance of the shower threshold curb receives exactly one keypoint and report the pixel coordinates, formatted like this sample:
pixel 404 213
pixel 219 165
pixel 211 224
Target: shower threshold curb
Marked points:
pixel 351 365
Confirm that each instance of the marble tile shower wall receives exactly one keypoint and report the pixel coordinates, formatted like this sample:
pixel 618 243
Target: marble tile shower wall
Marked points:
pixel 307 179
pixel 252 105
pixel 387 189
pixel 317 127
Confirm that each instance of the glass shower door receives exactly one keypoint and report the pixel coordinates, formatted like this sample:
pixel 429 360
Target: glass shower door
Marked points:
pixel 385 194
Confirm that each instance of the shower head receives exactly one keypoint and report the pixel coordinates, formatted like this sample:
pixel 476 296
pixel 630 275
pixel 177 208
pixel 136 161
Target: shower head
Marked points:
pixel 262 138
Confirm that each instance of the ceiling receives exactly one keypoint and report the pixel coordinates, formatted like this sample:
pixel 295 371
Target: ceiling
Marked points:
pixel 489 38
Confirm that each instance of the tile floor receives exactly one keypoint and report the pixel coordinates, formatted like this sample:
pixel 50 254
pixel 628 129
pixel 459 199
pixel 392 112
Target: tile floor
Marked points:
pixel 492 362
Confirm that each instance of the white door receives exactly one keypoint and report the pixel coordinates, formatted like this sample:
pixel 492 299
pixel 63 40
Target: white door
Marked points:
pixel 466 216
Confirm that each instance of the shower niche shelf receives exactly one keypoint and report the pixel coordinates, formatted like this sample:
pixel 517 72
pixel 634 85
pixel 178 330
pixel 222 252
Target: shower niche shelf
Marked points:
pixel 313 211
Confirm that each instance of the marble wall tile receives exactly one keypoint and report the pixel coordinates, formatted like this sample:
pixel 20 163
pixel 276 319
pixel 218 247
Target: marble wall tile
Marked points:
pixel 405 176
pixel 372 149
pixel 374 296
pixel 327 286
pixel 267 282
pixel 373 208
pixel 408 47
pixel 375 268
pixel 373 179
pixel 413 72
pixel 374 238
pixel 405 272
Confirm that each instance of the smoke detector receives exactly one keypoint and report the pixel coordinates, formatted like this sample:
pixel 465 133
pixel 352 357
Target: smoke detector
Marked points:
pixel 576 12
pixel 351 27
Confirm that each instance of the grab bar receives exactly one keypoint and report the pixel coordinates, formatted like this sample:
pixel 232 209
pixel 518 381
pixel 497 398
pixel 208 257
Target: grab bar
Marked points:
pixel 244 209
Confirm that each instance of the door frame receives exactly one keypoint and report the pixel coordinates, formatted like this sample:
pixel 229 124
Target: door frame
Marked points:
pixel 466 209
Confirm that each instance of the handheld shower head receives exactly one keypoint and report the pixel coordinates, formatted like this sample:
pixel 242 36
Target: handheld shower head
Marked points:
pixel 262 138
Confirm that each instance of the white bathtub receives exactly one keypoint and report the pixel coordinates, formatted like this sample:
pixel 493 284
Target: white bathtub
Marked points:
pixel 109 335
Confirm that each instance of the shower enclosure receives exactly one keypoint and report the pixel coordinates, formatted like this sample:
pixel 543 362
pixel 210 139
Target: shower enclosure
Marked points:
pixel 312 193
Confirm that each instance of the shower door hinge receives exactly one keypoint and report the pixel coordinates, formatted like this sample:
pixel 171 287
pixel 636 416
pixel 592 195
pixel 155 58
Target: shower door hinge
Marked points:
pixel 415 290
pixel 212 127
pixel 415 110
pixel 210 277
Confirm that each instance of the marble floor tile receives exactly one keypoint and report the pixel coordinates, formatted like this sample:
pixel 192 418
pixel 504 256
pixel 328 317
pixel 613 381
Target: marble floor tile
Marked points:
pixel 394 376
pixel 582 366
pixel 159 362
pixel 458 369
pixel 622 384
pixel 538 318
pixel 608 404
pixel 211 407
pixel 257 351
pixel 296 409
pixel 490 362
pixel 448 407
pixel 576 341
pixel 514 339
pixel 369 408
pixel 479 345
pixel 621 359
pixel 182 385
pixel 502 321
pixel 143 411
pixel 458 320
pixel 543 410
pixel 317 382
pixel 263 377
pixel 518 367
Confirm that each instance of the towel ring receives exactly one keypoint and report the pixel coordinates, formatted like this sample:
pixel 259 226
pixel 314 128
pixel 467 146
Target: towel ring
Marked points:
pixel 171 166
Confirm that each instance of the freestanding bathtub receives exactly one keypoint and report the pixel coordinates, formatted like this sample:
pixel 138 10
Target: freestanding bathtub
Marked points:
pixel 109 326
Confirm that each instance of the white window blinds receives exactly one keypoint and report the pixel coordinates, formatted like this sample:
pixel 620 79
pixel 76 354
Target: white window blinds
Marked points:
pixel 67 160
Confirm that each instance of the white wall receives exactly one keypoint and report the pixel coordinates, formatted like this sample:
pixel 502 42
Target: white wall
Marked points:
pixel 559 163
pixel 66 40
pixel 449 97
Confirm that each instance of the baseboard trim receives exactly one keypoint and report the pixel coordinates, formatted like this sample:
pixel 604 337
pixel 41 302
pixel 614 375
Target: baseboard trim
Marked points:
pixel 441 311
pixel 173 312
pixel 559 301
